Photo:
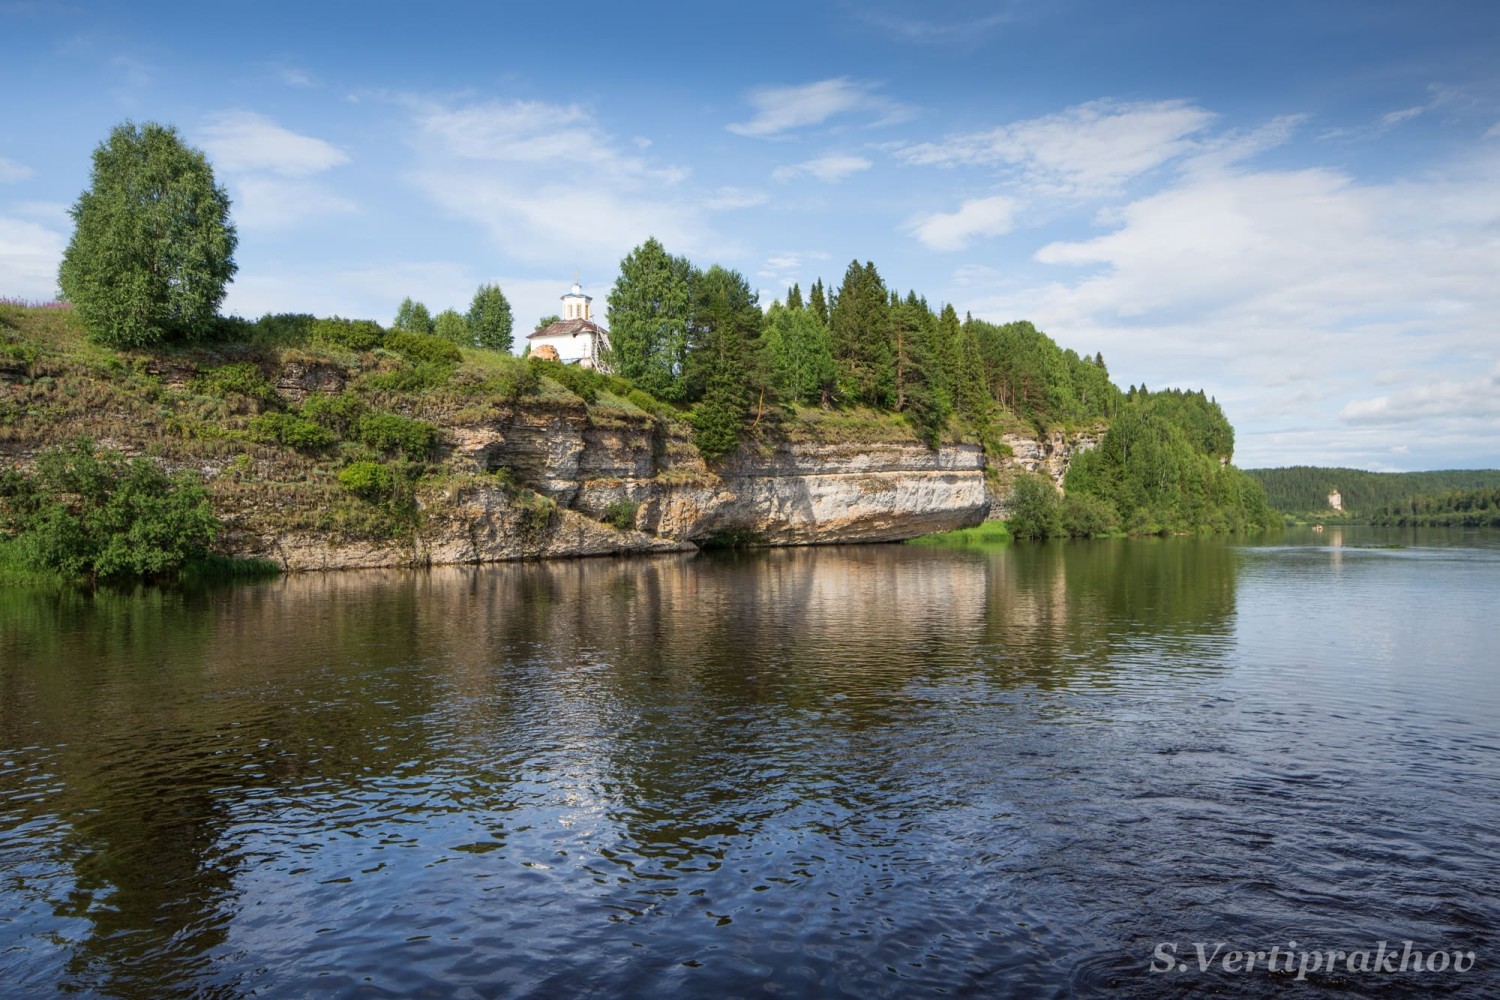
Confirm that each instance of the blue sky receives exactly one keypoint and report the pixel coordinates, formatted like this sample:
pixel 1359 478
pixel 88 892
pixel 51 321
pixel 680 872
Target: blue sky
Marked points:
pixel 1295 206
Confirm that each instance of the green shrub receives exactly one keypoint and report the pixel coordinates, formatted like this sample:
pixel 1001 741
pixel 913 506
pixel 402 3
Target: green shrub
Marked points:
pixel 353 334
pixel 368 480
pixel 92 513
pixel 391 432
pixel 417 378
pixel 285 329
pixel 584 383
pixel 422 347
pixel 292 431
pixel 1034 508
pixel 242 377
pixel 1084 516
pixel 339 414
pixel 621 513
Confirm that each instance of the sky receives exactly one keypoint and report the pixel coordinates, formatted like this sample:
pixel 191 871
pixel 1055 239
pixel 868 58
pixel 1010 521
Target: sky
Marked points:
pixel 1294 206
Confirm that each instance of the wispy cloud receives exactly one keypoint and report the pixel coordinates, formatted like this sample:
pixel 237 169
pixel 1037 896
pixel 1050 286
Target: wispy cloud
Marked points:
pixel 1088 150
pixel 932 27
pixel 791 266
pixel 269 170
pixel 831 168
pixel 975 219
pixel 779 110
pixel 246 141
pixel 11 171
pixel 552 185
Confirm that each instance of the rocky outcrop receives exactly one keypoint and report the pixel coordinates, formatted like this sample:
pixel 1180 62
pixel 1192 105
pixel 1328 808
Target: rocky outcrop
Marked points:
pixel 775 491
pixel 1045 454
pixel 481 524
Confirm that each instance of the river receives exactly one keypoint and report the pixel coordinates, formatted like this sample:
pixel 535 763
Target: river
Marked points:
pixel 881 771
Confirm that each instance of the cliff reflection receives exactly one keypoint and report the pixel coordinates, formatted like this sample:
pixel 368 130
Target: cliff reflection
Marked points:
pixel 170 759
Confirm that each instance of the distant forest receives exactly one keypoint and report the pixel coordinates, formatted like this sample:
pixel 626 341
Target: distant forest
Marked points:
pixel 1457 508
pixel 1304 488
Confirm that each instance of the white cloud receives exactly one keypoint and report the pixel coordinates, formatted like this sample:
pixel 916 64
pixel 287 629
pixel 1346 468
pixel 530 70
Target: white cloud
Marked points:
pixel 262 202
pixel 1476 399
pixel 243 141
pixel 1292 292
pixel 779 110
pixel 1087 150
pixel 552 186
pixel 974 219
pixel 830 169
pixel 29 255
pixel 11 171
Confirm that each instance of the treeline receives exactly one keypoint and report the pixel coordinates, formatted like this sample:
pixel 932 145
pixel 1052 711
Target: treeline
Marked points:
pixel 1477 508
pixel 1305 488
pixel 699 338
pixel 1163 466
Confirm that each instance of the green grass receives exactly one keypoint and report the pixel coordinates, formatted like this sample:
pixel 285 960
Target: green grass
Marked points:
pixel 15 573
pixel 988 533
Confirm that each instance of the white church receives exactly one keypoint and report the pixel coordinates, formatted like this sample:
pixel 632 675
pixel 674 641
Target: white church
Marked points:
pixel 575 339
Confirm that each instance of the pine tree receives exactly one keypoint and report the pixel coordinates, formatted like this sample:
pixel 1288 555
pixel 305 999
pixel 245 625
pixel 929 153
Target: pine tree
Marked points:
pixel 794 297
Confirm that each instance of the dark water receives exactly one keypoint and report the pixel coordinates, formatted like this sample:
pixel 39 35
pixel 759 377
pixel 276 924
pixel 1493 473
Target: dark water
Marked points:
pixel 875 772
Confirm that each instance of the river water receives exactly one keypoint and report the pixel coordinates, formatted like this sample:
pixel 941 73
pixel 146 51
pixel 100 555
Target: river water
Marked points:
pixel 884 771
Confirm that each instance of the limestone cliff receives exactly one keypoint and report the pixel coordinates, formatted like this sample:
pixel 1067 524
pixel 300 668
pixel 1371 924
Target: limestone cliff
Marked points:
pixel 793 486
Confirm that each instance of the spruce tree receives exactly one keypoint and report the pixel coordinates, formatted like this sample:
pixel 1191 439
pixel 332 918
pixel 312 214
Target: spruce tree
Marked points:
pixel 817 303
pixel 859 328
pixel 723 370
pixel 794 297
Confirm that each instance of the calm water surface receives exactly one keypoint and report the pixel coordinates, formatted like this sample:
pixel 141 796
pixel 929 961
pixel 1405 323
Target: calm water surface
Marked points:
pixel 868 772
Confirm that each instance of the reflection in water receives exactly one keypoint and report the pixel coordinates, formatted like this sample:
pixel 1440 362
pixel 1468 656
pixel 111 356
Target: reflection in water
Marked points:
pixel 854 771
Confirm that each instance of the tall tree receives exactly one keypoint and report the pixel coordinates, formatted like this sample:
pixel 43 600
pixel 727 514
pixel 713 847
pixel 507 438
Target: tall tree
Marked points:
pixel 920 388
pixel 451 325
pixel 723 370
pixel 799 355
pixel 412 317
pixel 490 319
pixel 152 247
pixel 794 297
pixel 966 376
pixel 817 302
pixel 859 327
pixel 649 309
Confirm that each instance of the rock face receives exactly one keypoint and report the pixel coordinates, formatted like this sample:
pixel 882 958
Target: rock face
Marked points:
pixel 1048 455
pixel 775 492
pixel 479 525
